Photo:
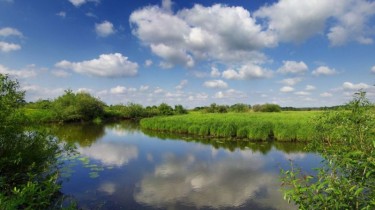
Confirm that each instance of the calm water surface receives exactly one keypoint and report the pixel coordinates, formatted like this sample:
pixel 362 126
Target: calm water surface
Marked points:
pixel 121 167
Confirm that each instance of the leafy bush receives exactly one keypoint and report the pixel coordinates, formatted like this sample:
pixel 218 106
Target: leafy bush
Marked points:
pixel 346 140
pixel 266 108
pixel 29 166
pixel 78 107
pixel 239 108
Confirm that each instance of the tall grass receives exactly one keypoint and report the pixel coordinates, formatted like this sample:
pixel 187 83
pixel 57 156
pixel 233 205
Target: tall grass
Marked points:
pixel 283 126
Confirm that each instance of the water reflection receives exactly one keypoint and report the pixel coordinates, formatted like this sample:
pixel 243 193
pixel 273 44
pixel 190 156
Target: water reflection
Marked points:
pixel 226 183
pixel 171 172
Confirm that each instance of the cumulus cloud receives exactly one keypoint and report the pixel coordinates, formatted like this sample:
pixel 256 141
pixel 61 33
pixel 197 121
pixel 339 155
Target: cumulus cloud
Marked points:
pixel 107 65
pixel 286 89
pixel 293 67
pixel 182 84
pixel 218 32
pixel 122 90
pixel 352 86
pixel 78 3
pixel 310 87
pixel 104 29
pixel 215 84
pixel 302 93
pixel 144 88
pixel 346 20
pixel 352 17
pixel 61 14
pixel 216 73
pixel 60 73
pixel 148 63
pixel 291 81
pixel 7 47
pixel 27 72
pixel 8 31
pixel 373 69
pixel 326 94
pixel 231 93
pixel 247 72
pixel 287 17
pixel 324 70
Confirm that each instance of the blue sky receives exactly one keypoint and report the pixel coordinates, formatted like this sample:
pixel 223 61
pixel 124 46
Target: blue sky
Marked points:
pixel 298 53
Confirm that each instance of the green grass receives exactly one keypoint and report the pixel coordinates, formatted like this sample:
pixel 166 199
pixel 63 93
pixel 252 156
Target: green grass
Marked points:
pixel 282 126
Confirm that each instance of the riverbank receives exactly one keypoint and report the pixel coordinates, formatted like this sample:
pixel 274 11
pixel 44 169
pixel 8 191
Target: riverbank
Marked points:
pixel 281 126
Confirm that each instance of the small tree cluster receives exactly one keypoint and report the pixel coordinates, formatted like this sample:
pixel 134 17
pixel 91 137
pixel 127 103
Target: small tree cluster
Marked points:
pixel 266 108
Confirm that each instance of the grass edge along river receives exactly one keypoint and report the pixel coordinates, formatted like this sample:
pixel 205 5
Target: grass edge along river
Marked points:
pixel 280 126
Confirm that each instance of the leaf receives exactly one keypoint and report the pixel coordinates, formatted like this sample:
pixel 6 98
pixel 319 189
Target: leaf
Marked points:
pixel 358 191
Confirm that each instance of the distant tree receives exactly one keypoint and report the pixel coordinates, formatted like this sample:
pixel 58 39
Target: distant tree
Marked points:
pixel 179 109
pixel 239 108
pixel 165 109
pixel 266 108
pixel 78 106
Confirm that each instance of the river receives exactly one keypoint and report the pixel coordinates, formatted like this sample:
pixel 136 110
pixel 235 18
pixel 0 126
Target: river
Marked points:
pixel 118 166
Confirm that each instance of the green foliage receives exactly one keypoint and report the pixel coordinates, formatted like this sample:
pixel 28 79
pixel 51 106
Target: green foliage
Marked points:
pixel 179 109
pixel 29 164
pixel 283 126
pixel 77 107
pixel 239 108
pixel 346 140
pixel 266 108
pixel 214 108
pixel 165 109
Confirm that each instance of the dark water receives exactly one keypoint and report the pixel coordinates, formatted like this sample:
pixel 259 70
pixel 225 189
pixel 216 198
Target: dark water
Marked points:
pixel 121 167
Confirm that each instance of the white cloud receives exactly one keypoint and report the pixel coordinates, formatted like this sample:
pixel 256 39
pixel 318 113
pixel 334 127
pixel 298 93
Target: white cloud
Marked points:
pixel 351 86
pixel 215 72
pixel 118 90
pixel 302 93
pixel 60 73
pixel 148 63
pixel 215 84
pixel 231 93
pixel 7 47
pixel 144 88
pixel 107 65
pixel 218 32
pixel 310 87
pixel 182 84
pixel 104 29
pixel 326 94
pixel 35 92
pixel 352 17
pixel 324 70
pixel 27 72
pixel 291 81
pixel 167 5
pixel 78 3
pixel 247 72
pixel 373 69
pixel 287 17
pixel 158 90
pixel 8 31
pixel 286 89
pixel 293 67
pixel 346 20
pixel 61 14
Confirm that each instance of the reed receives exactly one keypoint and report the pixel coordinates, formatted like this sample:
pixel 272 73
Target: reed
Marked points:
pixel 282 126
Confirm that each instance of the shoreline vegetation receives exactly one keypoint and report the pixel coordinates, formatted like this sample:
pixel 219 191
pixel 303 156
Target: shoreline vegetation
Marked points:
pixel 257 126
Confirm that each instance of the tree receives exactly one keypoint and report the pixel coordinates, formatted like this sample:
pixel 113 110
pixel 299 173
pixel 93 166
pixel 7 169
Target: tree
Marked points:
pixel 78 107
pixel 179 109
pixel 29 166
pixel 165 109
pixel 346 140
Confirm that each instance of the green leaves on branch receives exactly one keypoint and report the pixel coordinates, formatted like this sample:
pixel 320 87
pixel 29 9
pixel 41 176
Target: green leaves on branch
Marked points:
pixel 345 139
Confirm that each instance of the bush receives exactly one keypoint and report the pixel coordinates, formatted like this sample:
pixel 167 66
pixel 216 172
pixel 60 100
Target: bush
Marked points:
pixel 78 107
pixel 239 108
pixel 267 108
pixel 29 164
pixel 346 140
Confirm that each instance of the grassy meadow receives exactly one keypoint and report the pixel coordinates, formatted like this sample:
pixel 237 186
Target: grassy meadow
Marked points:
pixel 260 126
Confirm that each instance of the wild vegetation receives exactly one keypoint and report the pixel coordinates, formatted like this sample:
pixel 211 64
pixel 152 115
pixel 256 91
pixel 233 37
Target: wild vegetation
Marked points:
pixel 29 163
pixel 82 107
pixel 346 140
pixel 283 126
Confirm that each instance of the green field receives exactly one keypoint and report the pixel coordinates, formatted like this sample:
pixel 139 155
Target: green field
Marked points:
pixel 281 126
